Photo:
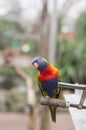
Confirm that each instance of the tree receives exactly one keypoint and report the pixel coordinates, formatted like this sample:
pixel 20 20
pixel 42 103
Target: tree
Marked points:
pixel 44 31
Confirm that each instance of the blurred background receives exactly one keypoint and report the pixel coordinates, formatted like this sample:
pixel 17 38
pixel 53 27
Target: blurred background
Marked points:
pixel 54 29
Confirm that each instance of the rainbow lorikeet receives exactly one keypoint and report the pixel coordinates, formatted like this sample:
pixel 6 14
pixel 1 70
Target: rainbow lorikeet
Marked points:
pixel 48 77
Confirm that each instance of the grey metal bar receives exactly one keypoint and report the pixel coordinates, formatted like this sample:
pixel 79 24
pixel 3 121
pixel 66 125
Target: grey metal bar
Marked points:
pixel 82 99
pixel 72 86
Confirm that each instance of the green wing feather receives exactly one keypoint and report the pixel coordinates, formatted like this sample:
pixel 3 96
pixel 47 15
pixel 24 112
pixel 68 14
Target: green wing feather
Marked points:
pixel 44 93
pixel 51 108
pixel 58 90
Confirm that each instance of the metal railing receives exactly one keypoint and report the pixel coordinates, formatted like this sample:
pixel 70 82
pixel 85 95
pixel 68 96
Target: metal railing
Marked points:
pixel 62 103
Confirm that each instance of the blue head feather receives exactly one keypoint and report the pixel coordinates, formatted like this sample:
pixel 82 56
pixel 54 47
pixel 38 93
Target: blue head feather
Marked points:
pixel 41 61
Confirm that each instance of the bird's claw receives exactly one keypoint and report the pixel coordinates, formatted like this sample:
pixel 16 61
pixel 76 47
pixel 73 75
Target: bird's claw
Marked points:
pixel 47 96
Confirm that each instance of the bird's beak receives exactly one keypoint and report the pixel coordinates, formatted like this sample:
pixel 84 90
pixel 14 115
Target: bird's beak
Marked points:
pixel 36 65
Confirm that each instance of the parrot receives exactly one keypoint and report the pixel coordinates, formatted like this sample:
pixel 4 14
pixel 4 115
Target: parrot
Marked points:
pixel 48 77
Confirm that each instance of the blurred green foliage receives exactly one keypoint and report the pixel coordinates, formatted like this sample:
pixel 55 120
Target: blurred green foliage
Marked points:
pixel 72 62
pixel 70 58
pixel 8 29
pixel 32 47
pixel 32 72
pixel 71 53
pixel 9 76
pixel 66 60
pixel 80 27
pixel 7 71
pixel 13 100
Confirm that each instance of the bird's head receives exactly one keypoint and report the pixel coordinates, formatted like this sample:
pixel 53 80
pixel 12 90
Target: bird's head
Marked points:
pixel 40 63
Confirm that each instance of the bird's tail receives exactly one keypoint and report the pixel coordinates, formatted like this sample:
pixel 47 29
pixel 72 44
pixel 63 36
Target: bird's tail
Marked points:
pixel 53 113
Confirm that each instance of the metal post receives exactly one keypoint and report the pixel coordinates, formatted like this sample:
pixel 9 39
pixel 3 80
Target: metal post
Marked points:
pixel 82 99
pixel 72 86
pixel 62 103
pixel 53 33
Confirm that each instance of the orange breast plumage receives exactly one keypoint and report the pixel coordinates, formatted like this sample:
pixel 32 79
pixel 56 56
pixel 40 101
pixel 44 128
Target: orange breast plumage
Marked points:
pixel 49 73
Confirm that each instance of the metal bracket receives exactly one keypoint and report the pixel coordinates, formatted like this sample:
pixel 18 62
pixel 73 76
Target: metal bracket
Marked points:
pixel 82 99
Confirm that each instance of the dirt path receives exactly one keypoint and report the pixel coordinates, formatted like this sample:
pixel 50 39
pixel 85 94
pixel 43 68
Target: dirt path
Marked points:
pixel 12 121
pixel 16 121
pixel 64 122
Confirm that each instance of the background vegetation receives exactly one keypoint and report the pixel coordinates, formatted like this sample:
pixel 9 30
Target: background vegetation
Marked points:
pixel 70 56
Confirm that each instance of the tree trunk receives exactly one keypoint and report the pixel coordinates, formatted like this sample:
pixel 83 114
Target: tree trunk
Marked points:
pixel 31 97
pixel 44 32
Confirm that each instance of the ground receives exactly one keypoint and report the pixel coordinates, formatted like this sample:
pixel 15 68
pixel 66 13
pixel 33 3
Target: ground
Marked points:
pixel 17 121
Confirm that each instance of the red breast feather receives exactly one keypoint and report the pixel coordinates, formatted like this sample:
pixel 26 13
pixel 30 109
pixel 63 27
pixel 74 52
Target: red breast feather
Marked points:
pixel 48 73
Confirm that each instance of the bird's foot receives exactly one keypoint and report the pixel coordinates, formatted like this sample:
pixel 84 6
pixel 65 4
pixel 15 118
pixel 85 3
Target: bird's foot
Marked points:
pixel 47 96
